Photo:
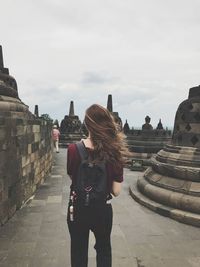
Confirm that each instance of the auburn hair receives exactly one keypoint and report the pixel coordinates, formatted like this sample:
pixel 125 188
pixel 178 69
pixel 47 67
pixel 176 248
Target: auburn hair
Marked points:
pixel 109 143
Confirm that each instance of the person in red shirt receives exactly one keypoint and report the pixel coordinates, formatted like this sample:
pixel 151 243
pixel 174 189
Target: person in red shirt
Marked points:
pixel 55 137
pixel 104 143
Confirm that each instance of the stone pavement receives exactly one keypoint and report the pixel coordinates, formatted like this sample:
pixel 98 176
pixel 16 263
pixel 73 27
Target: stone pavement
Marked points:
pixel 37 235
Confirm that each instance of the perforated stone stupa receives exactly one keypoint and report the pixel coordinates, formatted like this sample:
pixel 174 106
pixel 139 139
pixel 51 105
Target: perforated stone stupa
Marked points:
pixel 172 185
pixel 8 85
pixel 70 128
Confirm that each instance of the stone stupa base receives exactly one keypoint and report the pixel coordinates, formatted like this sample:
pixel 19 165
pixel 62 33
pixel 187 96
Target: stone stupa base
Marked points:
pixel 171 186
pixel 173 213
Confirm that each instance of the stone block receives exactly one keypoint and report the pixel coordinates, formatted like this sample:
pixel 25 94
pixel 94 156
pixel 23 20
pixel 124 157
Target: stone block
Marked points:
pixel 141 184
pixel 26 170
pixel 177 215
pixel 195 187
pixel 4 207
pixel 33 157
pixel 2 121
pixel 158 194
pixel 29 148
pixel 191 218
pixel 36 128
pixel 37 137
pixel 20 121
pixel 190 203
pixel 28 129
pixel 35 147
pixel 172 183
pixel 26 160
pixel 1 184
pixel 12 211
pixel 23 161
pixel 20 130
pixel 5 194
pixel 3 133
pixel 3 155
pixel 175 200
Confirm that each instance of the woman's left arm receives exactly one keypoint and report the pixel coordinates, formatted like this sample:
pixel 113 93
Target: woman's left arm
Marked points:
pixel 116 188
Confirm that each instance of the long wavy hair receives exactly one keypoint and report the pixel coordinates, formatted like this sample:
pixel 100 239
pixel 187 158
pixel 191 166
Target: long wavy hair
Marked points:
pixel 109 143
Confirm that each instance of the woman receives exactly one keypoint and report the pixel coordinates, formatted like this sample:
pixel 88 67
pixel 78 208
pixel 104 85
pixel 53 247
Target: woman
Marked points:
pixel 103 144
pixel 55 137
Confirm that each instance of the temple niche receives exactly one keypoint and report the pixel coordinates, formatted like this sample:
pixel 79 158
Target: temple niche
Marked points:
pixel 70 128
pixel 172 185
pixel 146 142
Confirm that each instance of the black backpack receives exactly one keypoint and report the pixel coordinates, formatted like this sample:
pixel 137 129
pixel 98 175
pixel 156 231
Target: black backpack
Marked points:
pixel 91 181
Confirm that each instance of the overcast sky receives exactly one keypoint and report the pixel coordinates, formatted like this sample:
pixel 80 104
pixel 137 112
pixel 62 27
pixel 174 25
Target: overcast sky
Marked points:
pixel 145 53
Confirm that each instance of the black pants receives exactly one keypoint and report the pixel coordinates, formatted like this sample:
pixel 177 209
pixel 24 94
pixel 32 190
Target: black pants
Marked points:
pixel 99 221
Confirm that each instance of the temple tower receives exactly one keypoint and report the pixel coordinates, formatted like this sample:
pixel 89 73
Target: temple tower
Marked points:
pixel 36 111
pixel 115 114
pixel 71 109
pixel 1 59
pixel 109 103
pixel 172 185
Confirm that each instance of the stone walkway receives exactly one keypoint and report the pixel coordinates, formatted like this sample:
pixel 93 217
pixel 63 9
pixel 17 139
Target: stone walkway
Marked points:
pixel 37 235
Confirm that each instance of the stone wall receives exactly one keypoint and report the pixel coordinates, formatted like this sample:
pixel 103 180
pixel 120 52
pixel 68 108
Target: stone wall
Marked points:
pixel 25 154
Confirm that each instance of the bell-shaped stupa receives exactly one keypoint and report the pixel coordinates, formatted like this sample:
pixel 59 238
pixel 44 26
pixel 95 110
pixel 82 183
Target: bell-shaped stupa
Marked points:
pixel 172 185
pixel 8 85
pixel 71 128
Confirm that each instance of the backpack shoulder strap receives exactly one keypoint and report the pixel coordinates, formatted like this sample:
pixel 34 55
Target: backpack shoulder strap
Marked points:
pixel 82 150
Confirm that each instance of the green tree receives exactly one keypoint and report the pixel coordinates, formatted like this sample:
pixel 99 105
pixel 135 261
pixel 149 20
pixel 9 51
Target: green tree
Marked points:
pixel 46 117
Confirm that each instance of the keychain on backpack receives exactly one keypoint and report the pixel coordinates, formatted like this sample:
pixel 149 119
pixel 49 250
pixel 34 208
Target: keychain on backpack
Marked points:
pixel 87 198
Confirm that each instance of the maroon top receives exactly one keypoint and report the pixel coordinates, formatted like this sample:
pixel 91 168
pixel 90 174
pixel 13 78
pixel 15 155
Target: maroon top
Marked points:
pixel 114 173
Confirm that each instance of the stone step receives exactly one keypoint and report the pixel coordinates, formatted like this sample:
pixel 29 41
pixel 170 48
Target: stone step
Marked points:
pixel 190 159
pixel 175 214
pixel 175 170
pixel 170 198
pixel 171 183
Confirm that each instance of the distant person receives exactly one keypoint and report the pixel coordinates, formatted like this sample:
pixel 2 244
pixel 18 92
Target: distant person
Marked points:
pixel 95 166
pixel 55 137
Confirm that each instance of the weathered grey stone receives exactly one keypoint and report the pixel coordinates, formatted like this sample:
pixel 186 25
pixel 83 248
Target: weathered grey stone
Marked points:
pixel 176 168
pixel 21 136
pixel 71 128
pixel 146 142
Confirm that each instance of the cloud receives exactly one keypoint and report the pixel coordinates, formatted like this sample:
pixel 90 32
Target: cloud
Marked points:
pixel 97 78
pixel 145 53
